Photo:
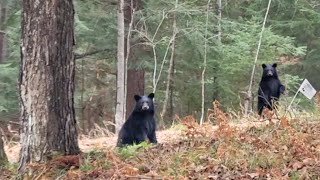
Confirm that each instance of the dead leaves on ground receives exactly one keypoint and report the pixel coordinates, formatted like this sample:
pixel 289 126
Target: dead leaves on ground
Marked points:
pixel 288 149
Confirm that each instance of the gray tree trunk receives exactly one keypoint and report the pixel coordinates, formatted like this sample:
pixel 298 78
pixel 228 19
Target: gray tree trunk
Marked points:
pixel 46 81
pixel 120 107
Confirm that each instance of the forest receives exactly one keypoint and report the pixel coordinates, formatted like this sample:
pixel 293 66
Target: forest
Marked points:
pixel 70 71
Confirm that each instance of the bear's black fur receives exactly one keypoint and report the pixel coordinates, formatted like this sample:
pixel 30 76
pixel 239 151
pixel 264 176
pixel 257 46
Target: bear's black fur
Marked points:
pixel 270 87
pixel 141 124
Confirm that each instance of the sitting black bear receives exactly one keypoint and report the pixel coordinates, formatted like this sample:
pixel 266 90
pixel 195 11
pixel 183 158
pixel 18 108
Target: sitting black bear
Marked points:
pixel 141 124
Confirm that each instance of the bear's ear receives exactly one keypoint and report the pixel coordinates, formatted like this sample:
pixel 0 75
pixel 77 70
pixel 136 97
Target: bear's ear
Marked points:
pixel 264 66
pixel 274 65
pixel 137 97
pixel 151 95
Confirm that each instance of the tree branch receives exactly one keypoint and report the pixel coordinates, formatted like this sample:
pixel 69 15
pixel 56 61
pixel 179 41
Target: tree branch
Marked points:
pixel 80 56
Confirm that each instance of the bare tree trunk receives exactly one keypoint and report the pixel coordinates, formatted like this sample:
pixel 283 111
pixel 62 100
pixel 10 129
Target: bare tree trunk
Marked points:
pixel 219 19
pixel 219 34
pixel 204 65
pixel 171 89
pixel 3 156
pixel 46 81
pixel 3 13
pixel 170 70
pixel 120 107
pixel 248 98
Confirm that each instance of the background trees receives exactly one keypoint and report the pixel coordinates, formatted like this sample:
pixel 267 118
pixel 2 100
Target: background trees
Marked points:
pixel 291 36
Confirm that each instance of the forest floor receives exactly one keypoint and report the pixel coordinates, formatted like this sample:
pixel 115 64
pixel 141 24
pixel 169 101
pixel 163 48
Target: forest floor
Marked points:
pixel 281 148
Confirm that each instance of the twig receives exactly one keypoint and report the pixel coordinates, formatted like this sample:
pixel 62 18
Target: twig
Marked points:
pixel 10 122
pixel 42 172
pixel 162 64
pixel 79 56
pixel 143 177
pixel 155 54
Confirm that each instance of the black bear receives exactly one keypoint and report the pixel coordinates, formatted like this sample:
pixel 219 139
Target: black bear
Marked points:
pixel 141 124
pixel 270 87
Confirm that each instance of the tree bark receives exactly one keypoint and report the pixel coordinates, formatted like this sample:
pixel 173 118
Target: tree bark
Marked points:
pixel 3 156
pixel 135 86
pixel 46 81
pixel 120 107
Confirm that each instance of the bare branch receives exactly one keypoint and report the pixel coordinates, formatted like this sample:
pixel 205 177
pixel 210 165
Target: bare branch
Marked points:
pixel 170 70
pixel 80 56
pixel 155 55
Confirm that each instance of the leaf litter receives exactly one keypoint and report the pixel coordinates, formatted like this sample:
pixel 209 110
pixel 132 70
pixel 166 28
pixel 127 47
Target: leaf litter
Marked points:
pixel 219 149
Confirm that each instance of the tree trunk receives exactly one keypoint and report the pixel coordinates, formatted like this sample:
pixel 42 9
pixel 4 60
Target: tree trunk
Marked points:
pixel 135 86
pixel 120 107
pixel 163 113
pixel 204 67
pixel 3 13
pixel 135 77
pixel 219 14
pixel 171 89
pixel 46 81
pixel 3 156
pixel 248 96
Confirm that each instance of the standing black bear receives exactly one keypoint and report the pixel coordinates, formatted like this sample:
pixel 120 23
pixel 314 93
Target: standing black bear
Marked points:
pixel 270 87
pixel 141 124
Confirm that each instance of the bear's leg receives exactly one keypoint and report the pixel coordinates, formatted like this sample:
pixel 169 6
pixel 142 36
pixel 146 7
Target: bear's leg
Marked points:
pixel 124 140
pixel 140 137
pixel 260 106
pixel 152 137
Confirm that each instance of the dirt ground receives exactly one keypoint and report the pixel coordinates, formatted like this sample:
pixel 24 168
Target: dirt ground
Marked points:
pixel 87 144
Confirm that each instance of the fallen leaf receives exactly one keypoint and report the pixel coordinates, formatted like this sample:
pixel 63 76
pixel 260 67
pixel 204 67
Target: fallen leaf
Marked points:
pixel 253 175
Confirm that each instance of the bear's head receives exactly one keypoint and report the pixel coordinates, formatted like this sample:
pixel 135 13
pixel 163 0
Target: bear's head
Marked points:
pixel 144 103
pixel 269 71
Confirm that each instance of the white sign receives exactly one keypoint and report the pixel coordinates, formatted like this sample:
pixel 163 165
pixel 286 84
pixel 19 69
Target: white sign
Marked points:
pixel 307 89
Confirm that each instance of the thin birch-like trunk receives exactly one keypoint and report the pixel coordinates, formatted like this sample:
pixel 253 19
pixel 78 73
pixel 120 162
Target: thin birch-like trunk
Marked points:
pixel 219 20
pixel 3 13
pixel 120 108
pixel 204 66
pixel 248 98
pixel 170 70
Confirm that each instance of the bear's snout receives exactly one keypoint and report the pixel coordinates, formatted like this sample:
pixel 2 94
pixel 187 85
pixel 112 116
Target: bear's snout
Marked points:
pixel 270 73
pixel 145 106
